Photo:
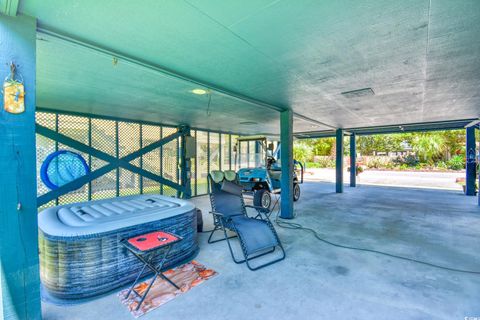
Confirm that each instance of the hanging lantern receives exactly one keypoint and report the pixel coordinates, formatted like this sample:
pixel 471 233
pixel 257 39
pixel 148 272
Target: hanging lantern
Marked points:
pixel 13 93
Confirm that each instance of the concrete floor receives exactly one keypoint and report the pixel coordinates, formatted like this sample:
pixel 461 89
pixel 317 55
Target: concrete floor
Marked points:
pixel 319 281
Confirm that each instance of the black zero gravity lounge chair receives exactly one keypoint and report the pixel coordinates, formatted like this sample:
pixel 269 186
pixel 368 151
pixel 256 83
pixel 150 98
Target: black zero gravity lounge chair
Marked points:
pixel 257 236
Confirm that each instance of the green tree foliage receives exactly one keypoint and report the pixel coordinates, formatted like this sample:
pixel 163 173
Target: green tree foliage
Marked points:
pixel 382 143
pixel 430 147
pixel 319 147
pixel 302 151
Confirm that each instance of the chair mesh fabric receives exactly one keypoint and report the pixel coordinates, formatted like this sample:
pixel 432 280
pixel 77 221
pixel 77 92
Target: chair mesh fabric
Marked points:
pixel 232 188
pixel 255 234
pixel 226 203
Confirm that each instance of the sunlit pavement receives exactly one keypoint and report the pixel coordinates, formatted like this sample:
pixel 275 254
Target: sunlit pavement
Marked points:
pixel 418 179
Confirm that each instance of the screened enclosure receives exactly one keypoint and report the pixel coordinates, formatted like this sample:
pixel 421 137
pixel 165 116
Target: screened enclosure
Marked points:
pixel 119 138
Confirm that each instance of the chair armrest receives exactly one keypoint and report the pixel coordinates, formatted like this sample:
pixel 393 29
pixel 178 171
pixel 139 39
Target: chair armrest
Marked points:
pixel 219 214
pixel 258 208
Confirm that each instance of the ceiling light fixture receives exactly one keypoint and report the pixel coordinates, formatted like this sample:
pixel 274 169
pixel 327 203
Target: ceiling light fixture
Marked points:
pixel 199 91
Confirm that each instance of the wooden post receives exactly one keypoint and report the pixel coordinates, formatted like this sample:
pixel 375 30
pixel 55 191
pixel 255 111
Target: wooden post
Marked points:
pixel 19 267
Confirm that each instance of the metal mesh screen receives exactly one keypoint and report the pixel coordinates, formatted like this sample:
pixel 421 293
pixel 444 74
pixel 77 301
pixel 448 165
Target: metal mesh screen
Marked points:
pixel 214 153
pixel 76 128
pixel 202 162
pixel 193 168
pixel 128 142
pixel 117 139
pixel 45 146
pixel 120 138
pixel 104 138
pixel 151 161
pixel 170 161
pixel 225 152
pixel 234 155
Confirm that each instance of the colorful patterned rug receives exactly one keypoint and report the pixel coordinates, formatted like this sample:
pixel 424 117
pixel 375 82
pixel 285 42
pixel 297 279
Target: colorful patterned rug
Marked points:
pixel 186 277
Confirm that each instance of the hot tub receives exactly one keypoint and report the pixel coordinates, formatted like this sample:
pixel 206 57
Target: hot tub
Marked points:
pixel 80 253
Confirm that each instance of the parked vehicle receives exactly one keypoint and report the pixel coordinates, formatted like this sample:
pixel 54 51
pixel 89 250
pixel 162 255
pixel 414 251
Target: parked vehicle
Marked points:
pixel 260 172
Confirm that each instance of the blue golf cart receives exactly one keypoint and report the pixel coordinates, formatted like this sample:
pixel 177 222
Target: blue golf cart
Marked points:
pixel 259 172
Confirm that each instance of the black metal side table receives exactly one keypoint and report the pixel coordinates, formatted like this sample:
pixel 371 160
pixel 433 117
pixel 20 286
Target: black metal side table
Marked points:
pixel 146 248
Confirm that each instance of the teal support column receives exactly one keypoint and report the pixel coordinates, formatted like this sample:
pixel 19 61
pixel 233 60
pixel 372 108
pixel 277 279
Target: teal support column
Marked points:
pixel 286 158
pixel 471 174
pixel 339 161
pixel 353 161
pixel 19 267
pixel 185 164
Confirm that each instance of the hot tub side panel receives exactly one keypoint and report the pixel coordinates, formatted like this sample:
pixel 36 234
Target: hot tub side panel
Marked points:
pixel 85 266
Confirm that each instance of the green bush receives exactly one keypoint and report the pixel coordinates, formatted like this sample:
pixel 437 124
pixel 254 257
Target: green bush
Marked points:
pixel 442 165
pixel 389 165
pixel 310 165
pixel 408 160
pixel 302 152
pixel 456 163
pixel 375 163
pixel 322 163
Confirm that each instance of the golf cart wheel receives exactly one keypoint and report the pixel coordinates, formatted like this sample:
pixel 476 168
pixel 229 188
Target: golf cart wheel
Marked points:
pixel 262 198
pixel 296 192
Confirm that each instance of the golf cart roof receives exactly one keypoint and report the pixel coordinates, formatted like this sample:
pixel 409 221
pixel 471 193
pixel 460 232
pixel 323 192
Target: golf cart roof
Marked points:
pixel 252 138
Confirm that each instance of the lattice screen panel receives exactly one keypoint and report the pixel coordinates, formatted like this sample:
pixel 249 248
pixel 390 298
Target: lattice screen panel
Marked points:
pixel 225 152
pixel 45 146
pixel 128 142
pixel 193 168
pixel 170 161
pixel 151 161
pixel 76 128
pixel 214 153
pixel 120 138
pixel 202 162
pixel 233 162
pixel 104 138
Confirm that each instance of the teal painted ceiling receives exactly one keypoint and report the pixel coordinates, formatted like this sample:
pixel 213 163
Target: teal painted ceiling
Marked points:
pixel 421 58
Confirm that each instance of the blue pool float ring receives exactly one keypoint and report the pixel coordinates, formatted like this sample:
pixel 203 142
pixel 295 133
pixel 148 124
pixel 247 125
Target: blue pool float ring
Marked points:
pixel 62 167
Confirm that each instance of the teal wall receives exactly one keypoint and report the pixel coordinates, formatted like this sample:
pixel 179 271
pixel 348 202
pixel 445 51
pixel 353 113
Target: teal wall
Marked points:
pixel 19 281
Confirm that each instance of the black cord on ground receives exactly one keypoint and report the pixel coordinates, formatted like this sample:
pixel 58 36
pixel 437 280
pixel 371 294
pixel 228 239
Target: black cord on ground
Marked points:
pixel 297 226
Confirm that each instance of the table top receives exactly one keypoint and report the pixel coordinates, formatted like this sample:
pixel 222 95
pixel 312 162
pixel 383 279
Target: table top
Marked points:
pixel 152 240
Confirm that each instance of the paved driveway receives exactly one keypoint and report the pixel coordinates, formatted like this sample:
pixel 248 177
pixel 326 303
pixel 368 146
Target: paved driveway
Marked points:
pixel 435 180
